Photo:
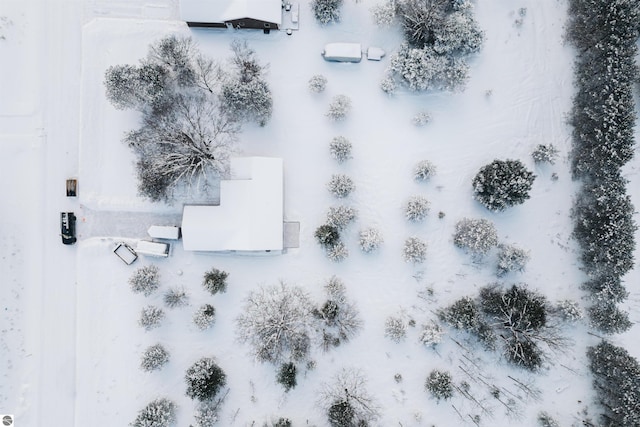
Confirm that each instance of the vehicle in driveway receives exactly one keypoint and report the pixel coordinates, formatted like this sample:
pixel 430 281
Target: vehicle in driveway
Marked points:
pixel 68 227
pixel 342 52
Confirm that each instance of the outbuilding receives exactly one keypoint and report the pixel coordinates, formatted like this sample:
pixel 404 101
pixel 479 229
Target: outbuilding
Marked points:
pixel 239 14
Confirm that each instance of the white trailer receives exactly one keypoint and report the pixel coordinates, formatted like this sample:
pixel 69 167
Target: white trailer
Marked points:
pixel 159 249
pixel 168 232
pixel 342 52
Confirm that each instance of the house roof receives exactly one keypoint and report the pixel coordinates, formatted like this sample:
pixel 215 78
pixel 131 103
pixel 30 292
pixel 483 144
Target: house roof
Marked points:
pixel 250 214
pixel 219 11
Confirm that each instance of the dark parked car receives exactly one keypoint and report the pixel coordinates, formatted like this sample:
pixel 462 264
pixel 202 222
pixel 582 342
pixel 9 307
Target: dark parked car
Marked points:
pixel 68 227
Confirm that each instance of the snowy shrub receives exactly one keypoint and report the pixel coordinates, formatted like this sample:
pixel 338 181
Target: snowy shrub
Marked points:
pixel 416 208
pixel 607 318
pixel 287 376
pixel 283 422
pixel 340 185
pixel 158 413
pixel 326 11
pixel 415 250
pixel 339 107
pixel 276 322
pixel 151 317
pixel 459 34
pixel 204 379
pixel 176 297
pixel 462 314
pixel 431 334
pixel 545 153
pixel 421 119
pixel 388 84
pixel 439 384
pixel 570 311
pixel 546 420
pixel 145 280
pixel 347 401
pixel 424 170
pixel 154 358
pixel 383 13
pixel 204 317
pixel 476 236
pixel 341 216
pixel 208 413
pixel 370 239
pixel 327 235
pixel 502 183
pixel 617 382
pixel 511 258
pixel 317 83
pixel 340 149
pixel 215 281
pixel 608 288
pixel 395 328
pixel 337 252
pixel 340 320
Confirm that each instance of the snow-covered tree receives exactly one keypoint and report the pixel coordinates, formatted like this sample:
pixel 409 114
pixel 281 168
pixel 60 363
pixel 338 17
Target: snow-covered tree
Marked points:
pixel 370 239
pixel 502 183
pixel 439 384
pixel 317 83
pixel 459 34
pixel 570 311
pixel 609 288
pixel 339 107
pixel 462 314
pixel 327 235
pixel 326 11
pixel 546 420
pixel 287 376
pixel 545 153
pixel 346 400
pixel 341 216
pixel 207 412
pixel 416 208
pixel 340 149
pixel 383 13
pixel 154 358
pixel 423 170
pixel 276 322
pixel 160 412
pixel 421 19
pixel 414 250
pixel 337 252
pixel 476 236
pixel 204 379
pixel 215 281
pixel 617 383
pixel 339 318
pixel 151 317
pixel 145 280
pixel 421 118
pixel 607 318
pixel 340 185
pixel 176 297
pixel 204 317
pixel 395 328
pixel 511 258
pixel 431 334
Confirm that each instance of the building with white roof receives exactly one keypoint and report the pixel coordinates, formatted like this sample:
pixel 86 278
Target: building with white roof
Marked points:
pixel 251 211
pixel 256 14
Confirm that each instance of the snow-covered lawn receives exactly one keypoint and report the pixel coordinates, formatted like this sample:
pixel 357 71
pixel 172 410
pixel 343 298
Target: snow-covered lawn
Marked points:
pixel 519 90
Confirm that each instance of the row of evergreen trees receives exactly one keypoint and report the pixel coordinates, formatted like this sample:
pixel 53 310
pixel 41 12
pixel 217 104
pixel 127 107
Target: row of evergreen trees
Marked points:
pixel 605 33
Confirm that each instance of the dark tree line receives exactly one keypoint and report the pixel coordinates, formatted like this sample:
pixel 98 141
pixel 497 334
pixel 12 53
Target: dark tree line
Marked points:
pixel 605 33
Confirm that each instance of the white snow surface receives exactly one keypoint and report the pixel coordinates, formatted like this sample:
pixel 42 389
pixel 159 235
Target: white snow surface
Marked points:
pixel 70 345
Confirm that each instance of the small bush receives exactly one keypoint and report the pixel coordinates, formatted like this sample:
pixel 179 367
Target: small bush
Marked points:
pixel 340 149
pixel 384 13
pixel 462 314
pixel 546 420
pixel 317 83
pixel 339 107
pixel 204 379
pixel 370 239
pixel 151 317
pixel 431 334
pixel 421 119
pixel 145 280
pixel 424 170
pixel 502 184
pixel 327 235
pixel 439 384
pixel 511 258
pixel 338 252
pixel 395 328
pixel 158 413
pixel 388 84
pixel 341 414
pixel 154 358
pixel 340 185
pixel 415 250
pixel 283 422
pixel 545 153
pixel 341 216
pixel 176 297
pixel 215 281
pixel 204 317
pixel 287 376
pixel 326 11
pixel 570 311
pixel 477 236
pixel 416 208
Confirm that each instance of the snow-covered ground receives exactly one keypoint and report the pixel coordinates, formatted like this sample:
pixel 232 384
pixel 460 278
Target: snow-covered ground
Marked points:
pixel 70 343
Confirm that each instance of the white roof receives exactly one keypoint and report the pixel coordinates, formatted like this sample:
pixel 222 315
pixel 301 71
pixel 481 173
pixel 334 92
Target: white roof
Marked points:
pixel 250 214
pixel 219 11
pixel 342 50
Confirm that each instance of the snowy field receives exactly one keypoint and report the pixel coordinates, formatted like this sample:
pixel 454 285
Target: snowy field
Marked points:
pixel 70 344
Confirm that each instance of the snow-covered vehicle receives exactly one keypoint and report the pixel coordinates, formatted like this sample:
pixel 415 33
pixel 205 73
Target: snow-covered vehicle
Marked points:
pixel 342 52
pixel 68 227
pixel 159 249
pixel 168 232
